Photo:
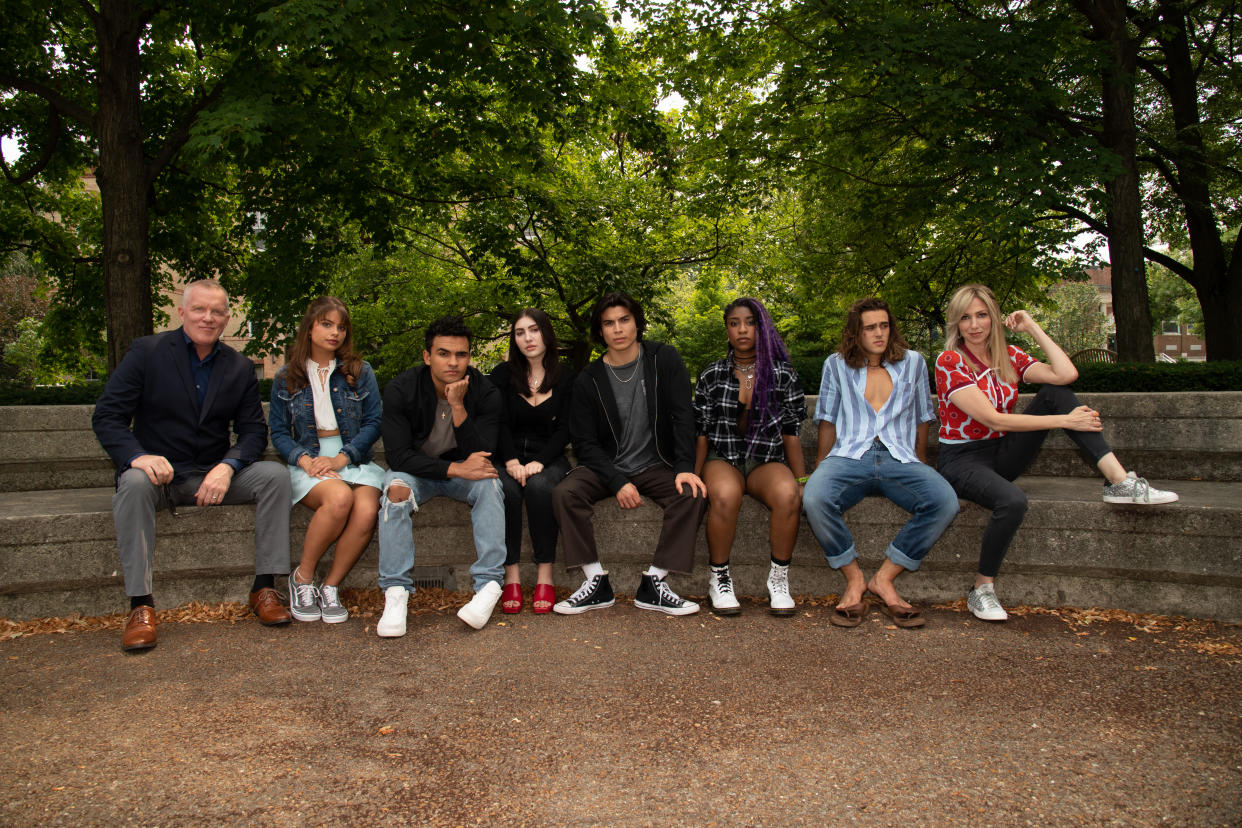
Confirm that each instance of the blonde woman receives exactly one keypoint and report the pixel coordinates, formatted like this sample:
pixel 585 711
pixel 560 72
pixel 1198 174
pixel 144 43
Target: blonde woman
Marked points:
pixel 984 446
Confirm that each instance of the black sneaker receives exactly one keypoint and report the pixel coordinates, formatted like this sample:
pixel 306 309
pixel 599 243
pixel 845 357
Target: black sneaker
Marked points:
pixel 593 594
pixel 654 594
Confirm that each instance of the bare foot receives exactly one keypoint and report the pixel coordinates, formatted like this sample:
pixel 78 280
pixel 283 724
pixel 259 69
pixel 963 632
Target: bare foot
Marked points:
pixel 853 593
pixel 886 592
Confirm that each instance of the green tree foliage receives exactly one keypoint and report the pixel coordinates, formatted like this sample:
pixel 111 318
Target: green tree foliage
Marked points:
pixel 947 142
pixel 254 140
pixel 1073 318
pixel 610 199
pixel 22 353
pixel 1172 299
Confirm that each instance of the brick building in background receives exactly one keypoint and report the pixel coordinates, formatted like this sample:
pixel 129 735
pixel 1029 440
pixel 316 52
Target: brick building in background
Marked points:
pixel 1175 341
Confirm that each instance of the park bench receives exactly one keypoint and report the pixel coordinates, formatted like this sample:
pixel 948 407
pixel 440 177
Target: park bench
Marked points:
pixel 57 545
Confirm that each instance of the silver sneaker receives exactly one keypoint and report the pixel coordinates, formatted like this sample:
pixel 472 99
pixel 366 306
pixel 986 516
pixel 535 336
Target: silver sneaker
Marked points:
pixel 720 592
pixel 303 599
pixel 1135 489
pixel 330 608
pixel 984 604
pixel 779 601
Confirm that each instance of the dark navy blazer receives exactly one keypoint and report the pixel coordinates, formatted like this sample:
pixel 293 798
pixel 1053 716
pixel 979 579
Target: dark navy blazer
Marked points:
pixel 149 406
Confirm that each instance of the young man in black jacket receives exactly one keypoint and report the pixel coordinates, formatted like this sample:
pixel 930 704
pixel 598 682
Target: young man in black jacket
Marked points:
pixel 439 428
pixel 632 428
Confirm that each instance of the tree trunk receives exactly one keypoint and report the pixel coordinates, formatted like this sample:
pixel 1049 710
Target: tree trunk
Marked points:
pixel 1125 213
pixel 122 178
pixel 1217 286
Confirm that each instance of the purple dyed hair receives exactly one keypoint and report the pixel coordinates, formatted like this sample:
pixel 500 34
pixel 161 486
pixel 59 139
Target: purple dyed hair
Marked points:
pixel 769 350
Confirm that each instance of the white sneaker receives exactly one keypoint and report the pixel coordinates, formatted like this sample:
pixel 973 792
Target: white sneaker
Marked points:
pixel 984 604
pixel 720 593
pixel 1135 489
pixel 481 605
pixel 396 604
pixel 779 602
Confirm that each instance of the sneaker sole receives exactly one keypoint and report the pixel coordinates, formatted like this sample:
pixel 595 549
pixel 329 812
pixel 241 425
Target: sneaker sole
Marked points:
pixel 303 616
pixel 1127 501
pixel 990 620
pixel 339 619
pixel 560 610
pixel 667 610
pixel 390 634
pixel 477 624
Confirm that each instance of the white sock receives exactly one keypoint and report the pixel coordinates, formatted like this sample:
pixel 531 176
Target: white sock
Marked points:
pixel 592 569
pixel 657 572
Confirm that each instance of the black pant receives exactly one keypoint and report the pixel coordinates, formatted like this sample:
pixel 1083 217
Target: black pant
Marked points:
pixel 983 471
pixel 537 493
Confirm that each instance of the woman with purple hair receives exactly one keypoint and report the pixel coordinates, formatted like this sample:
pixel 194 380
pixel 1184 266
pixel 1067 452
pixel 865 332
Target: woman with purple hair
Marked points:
pixel 748 410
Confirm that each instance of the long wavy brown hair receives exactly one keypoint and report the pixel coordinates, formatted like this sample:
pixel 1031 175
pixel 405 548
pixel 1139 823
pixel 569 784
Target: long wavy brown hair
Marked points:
pixel 851 348
pixel 349 363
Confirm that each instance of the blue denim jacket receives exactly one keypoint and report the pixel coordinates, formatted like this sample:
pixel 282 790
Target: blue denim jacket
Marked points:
pixel 358 413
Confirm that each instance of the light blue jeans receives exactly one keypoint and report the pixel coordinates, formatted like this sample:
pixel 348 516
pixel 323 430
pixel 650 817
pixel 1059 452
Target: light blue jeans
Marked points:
pixel 840 482
pixel 396 538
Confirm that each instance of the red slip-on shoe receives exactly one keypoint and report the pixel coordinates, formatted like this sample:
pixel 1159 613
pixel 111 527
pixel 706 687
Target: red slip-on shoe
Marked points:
pixel 511 599
pixel 543 599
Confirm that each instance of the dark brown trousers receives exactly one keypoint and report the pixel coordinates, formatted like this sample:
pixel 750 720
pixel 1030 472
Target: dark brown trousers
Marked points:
pixel 574 503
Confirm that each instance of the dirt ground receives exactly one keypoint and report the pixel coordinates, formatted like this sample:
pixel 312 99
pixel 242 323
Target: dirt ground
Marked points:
pixel 624 717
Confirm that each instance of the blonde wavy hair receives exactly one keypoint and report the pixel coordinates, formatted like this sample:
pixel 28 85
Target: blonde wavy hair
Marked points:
pixel 998 348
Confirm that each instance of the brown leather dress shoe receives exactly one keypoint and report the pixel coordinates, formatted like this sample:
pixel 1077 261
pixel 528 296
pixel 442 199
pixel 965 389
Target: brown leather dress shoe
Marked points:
pixel 266 604
pixel 139 629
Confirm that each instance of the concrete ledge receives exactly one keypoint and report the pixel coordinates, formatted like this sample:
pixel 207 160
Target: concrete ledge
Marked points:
pixel 58 551
pixel 1174 436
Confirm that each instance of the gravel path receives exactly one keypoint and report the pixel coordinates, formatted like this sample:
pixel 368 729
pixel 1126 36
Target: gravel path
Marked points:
pixel 624 717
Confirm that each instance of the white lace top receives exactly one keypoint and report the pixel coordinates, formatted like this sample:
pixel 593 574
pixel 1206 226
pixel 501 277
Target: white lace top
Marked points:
pixel 317 376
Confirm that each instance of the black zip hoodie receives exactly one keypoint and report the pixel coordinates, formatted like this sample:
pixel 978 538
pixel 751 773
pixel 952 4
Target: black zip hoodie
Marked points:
pixel 409 413
pixel 595 421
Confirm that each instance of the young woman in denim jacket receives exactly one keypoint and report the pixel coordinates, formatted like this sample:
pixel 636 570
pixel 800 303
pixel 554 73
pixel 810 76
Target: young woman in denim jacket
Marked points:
pixel 325 419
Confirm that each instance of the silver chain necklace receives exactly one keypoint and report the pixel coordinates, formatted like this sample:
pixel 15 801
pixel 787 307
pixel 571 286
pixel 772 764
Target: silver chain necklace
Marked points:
pixel 747 371
pixel 617 378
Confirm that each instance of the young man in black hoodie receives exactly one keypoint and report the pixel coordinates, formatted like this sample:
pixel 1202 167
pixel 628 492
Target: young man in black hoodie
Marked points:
pixel 439 427
pixel 632 428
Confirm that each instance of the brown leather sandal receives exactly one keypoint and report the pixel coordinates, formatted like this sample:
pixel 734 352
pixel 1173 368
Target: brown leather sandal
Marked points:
pixel 904 617
pixel 851 615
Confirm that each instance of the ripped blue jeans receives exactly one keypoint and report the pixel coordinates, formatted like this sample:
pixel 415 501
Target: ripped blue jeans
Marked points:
pixel 396 538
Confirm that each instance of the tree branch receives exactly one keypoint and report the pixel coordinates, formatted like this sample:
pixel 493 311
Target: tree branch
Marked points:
pixel 47 93
pixel 53 129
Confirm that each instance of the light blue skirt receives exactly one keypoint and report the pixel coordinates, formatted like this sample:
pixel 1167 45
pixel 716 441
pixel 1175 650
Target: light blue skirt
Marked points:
pixel 368 474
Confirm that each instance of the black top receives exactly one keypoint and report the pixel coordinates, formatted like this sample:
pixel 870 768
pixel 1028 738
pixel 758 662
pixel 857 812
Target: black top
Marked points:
pixel 532 432
pixel 409 414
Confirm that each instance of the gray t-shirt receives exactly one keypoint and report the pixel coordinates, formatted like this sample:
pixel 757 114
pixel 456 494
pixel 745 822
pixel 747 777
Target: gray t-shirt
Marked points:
pixel 442 437
pixel 636 448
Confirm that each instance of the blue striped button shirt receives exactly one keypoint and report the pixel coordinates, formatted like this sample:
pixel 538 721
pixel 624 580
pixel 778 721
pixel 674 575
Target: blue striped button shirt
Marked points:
pixel 841 402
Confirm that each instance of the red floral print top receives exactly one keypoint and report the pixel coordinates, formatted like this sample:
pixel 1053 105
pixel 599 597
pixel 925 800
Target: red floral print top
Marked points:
pixel 955 371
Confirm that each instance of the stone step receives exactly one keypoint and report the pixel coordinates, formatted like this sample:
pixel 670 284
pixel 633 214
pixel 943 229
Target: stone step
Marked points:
pixel 1174 436
pixel 58 551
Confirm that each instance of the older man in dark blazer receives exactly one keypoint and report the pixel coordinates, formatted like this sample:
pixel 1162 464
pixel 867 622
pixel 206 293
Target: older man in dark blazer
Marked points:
pixel 164 418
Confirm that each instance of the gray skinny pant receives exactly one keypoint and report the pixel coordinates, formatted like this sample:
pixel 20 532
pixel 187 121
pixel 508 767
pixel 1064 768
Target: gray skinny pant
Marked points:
pixel 134 505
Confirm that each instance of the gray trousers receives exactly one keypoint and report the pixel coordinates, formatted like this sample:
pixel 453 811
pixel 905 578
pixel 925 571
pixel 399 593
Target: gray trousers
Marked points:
pixel 136 500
